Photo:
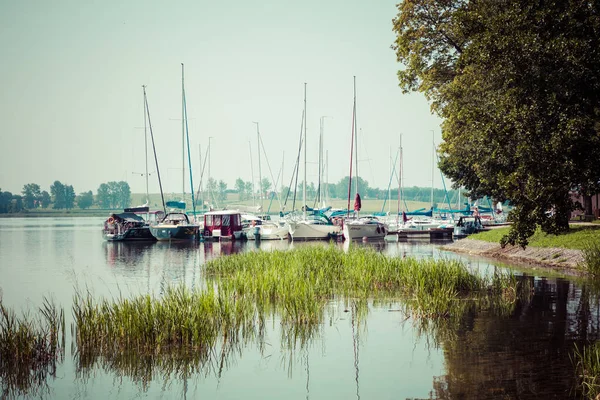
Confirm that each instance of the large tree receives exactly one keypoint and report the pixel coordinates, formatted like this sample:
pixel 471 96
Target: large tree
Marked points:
pixel 57 189
pixel 240 187
pixel 517 84
pixel 45 199
pixel 85 200
pixel 31 194
pixel 103 196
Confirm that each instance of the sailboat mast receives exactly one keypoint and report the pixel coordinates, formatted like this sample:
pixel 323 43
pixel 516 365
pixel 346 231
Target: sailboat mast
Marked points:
pixel 432 164
pixel 182 137
pixel 352 146
pixel 154 149
pixel 146 153
pixel 355 140
pixel 260 185
pixel 252 175
pixel 320 160
pixel 326 176
pixel 389 187
pixel 201 194
pixel 304 185
pixel 187 136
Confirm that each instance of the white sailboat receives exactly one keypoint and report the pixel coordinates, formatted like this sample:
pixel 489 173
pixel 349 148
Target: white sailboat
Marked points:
pixel 317 227
pixel 177 225
pixel 360 228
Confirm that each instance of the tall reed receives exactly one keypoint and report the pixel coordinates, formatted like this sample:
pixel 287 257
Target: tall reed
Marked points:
pixel 587 364
pixel 300 281
pixel 30 346
pixel 591 258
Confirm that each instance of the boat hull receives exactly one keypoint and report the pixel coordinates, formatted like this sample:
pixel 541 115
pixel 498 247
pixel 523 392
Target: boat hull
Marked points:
pixel 265 232
pixel 359 231
pixel 307 231
pixel 177 232
pixel 138 234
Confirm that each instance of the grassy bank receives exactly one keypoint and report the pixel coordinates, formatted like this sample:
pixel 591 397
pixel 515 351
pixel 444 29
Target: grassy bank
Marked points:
pixel 577 238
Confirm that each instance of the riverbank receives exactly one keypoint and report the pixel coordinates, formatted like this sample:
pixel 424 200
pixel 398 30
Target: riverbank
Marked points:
pixel 563 260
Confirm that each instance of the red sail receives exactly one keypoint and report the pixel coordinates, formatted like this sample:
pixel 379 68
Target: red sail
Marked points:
pixel 357 204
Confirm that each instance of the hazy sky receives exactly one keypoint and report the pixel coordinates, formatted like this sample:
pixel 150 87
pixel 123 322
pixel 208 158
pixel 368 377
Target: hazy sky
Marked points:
pixel 71 102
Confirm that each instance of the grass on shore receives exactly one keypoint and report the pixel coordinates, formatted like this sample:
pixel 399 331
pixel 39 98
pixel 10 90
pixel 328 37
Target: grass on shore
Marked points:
pixel 577 238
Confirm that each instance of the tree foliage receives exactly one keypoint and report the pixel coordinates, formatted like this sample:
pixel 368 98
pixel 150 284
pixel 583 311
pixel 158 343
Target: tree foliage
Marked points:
pixel 517 85
pixel 10 203
pixel 85 200
pixel 114 195
pixel 63 196
pixel 31 195
pixel 240 187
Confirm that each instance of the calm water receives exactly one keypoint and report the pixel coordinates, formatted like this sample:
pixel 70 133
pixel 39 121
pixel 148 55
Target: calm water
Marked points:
pixel 523 356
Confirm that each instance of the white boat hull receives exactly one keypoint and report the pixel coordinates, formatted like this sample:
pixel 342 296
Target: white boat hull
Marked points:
pixel 360 230
pixel 306 231
pixel 267 232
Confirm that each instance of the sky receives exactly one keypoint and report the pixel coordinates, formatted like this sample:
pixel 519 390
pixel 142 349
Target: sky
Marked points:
pixel 71 101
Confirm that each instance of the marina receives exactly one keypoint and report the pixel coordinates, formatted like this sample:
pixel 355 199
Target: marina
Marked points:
pixel 387 354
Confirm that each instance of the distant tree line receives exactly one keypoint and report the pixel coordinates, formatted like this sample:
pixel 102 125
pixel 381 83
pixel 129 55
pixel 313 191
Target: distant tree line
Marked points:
pixel 339 190
pixel 62 197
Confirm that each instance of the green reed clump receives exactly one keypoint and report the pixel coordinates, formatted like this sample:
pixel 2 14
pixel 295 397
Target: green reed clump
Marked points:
pixel 587 364
pixel 180 318
pixel 30 346
pixel 591 258
pixel 300 281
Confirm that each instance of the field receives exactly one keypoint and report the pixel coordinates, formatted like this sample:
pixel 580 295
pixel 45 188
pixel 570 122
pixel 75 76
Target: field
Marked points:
pixel 368 205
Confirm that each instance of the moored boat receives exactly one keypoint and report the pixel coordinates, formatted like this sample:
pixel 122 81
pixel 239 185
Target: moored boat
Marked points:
pixel 319 227
pixel 175 226
pixel 362 228
pixel 257 228
pixel 223 225
pixel 130 225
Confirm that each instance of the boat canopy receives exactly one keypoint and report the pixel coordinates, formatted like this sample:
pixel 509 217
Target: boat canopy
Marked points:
pixel 128 217
pixel 176 204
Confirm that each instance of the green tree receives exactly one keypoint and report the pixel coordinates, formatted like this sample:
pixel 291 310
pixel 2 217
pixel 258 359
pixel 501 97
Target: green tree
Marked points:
pixel 85 200
pixel 69 197
pixel 341 188
pixel 5 202
pixel 516 84
pixel 57 189
pixel 114 193
pixel 124 194
pixel 45 199
pixel 211 188
pixel 31 194
pixel 103 196
pixel 248 190
pixel 266 186
pixel 222 193
pixel 240 187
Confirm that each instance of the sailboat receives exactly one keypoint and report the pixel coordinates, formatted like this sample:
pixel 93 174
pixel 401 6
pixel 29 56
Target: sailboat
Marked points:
pixel 359 228
pixel 177 225
pixel 318 226
pixel 133 224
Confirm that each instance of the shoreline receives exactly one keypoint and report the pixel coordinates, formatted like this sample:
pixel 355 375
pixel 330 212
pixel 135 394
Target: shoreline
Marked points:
pixel 568 261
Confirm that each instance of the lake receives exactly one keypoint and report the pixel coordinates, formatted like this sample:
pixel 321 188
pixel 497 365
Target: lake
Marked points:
pixel 525 355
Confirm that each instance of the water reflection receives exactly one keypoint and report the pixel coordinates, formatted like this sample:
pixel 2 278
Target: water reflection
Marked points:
pixel 523 352
pixel 526 354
